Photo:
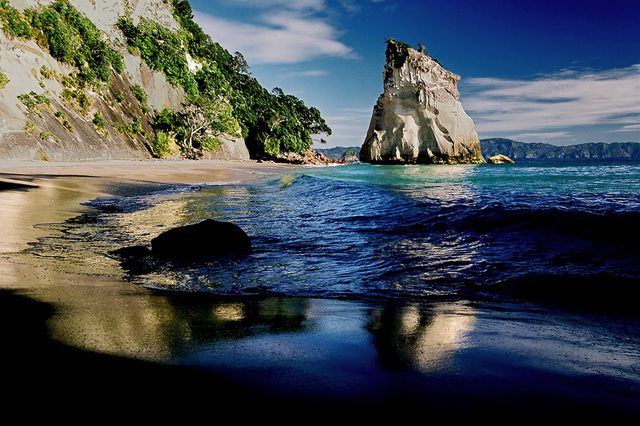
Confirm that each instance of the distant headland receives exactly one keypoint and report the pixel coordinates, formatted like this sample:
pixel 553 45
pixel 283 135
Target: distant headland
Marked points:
pixel 529 150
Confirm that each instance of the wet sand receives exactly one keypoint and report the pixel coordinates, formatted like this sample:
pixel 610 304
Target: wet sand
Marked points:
pixel 50 309
pixel 81 342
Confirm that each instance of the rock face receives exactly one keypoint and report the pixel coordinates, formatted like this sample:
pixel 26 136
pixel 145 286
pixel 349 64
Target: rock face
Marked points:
pixel 418 118
pixel 59 130
pixel 499 159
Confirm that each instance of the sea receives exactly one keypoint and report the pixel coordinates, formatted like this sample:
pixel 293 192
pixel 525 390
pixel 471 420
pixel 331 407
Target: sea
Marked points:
pixel 565 230
pixel 508 291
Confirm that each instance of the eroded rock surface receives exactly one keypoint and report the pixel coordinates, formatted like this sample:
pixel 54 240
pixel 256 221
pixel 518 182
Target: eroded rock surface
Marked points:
pixel 419 118
pixel 499 159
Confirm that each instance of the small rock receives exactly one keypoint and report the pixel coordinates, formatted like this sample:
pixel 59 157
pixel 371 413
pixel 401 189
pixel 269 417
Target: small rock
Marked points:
pixel 133 252
pixel 499 159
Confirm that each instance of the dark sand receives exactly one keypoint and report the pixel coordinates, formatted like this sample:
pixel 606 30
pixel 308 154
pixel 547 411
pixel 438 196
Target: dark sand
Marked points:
pixel 80 342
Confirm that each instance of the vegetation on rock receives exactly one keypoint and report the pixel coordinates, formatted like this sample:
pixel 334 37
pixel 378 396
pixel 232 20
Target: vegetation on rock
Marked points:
pixel 219 91
pixel 221 97
pixel 3 80
pixel 69 37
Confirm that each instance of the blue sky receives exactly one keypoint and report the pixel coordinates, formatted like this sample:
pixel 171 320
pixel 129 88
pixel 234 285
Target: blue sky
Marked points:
pixel 561 71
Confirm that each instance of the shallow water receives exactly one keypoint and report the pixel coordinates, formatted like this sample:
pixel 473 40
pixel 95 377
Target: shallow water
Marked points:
pixel 372 232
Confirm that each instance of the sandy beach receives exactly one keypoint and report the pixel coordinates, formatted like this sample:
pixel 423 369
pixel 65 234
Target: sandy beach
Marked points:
pixel 46 302
pixel 81 342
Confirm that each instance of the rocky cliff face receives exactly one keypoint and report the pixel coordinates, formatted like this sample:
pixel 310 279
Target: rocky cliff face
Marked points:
pixel 44 117
pixel 418 118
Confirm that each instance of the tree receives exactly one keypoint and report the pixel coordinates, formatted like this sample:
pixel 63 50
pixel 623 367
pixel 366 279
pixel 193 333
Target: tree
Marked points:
pixel 203 119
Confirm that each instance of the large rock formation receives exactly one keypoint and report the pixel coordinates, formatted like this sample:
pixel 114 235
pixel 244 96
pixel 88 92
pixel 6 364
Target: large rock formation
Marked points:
pixel 41 116
pixel 418 118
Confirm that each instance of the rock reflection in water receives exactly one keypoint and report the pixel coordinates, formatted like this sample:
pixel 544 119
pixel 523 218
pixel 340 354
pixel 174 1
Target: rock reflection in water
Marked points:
pixel 421 337
pixel 224 333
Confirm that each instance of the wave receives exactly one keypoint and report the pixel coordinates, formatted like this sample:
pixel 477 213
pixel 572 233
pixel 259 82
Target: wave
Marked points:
pixel 322 233
pixel 498 220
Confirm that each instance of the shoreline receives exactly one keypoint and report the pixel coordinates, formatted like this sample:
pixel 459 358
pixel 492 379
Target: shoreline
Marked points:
pixel 55 191
pixel 54 314
pixel 188 172
pixel 81 336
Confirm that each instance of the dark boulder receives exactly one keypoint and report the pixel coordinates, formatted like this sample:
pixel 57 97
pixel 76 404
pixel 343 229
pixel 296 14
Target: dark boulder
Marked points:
pixel 129 253
pixel 204 239
pixel 135 259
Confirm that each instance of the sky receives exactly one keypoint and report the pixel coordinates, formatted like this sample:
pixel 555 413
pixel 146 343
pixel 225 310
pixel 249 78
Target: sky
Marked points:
pixel 560 71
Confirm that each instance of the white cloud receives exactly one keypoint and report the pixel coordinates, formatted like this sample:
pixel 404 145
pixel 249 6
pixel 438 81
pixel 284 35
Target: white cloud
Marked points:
pixel 305 5
pixel 309 73
pixel 349 126
pixel 542 135
pixel 278 35
pixel 629 128
pixel 555 102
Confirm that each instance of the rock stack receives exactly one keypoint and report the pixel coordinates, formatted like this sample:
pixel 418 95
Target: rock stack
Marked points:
pixel 419 118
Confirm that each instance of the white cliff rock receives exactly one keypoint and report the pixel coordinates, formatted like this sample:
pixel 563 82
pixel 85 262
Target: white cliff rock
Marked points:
pixel 499 159
pixel 41 134
pixel 419 118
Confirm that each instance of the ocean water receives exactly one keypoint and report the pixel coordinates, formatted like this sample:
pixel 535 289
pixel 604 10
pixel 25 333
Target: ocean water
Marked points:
pixel 562 231
pixel 484 291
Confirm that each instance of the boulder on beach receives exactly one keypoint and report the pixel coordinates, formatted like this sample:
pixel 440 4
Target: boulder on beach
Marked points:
pixel 204 239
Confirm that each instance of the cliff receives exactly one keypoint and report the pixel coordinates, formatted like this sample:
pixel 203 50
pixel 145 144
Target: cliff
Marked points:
pixel 102 79
pixel 529 150
pixel 418 118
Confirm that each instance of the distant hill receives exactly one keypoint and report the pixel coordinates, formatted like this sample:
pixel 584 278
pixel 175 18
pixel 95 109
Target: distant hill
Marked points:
pixel 529 150
pixel 525 150
pixel 338 153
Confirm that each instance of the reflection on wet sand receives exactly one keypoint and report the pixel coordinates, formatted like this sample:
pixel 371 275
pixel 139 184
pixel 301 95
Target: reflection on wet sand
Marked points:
pixel 420 337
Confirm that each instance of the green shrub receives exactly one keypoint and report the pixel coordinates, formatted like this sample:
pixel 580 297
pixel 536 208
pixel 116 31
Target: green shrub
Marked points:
pixel 73 39
pixel 3 80
pixel 29 128
pixel 136 126
pixel 161 49
pixel 62 117
pixel 161 144
pixel 46 136
pixel 98 121
pixel 78 99
pixel 139 93
pixel 33 100
pixel 120 127
pixel 14 24
pixel 209 143
pixel 130 130
pixel 46 72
